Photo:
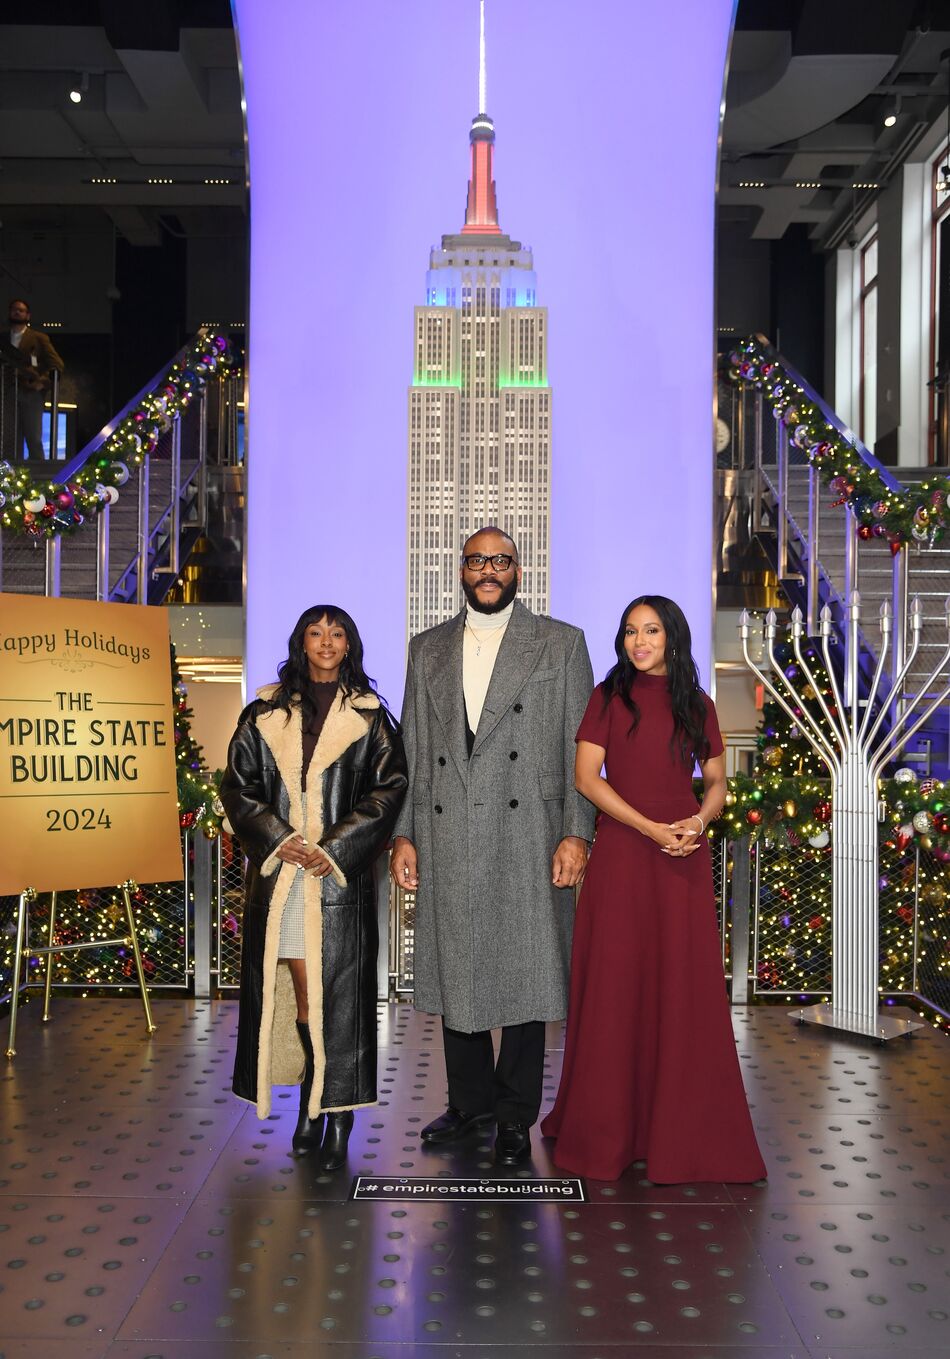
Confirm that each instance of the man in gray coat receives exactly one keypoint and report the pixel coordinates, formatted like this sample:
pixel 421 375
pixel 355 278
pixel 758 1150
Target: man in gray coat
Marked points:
pixel 493 838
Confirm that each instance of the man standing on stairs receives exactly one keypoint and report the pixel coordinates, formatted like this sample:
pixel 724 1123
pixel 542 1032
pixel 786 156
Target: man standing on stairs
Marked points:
pixel 34 357
pixel 493 838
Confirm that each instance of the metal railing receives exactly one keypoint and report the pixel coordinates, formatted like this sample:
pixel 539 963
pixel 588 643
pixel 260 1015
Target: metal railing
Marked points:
pixel 773 903
pixel 775 490
pixel 136 549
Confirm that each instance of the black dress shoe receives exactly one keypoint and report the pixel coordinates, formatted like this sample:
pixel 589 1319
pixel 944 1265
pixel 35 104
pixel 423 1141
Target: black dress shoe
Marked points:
pixel 513 1143
pixel 335 1140
pixel 452 1125
pixel 308 1131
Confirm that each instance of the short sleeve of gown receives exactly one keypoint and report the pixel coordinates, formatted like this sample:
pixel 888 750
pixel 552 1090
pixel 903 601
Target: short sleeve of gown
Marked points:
pixel 713 734
pixel 595 724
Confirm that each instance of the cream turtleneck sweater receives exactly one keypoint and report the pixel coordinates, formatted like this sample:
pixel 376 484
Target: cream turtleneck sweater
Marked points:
pixel 480 643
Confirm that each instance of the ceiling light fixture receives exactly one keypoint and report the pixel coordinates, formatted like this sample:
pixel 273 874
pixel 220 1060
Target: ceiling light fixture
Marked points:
pixel 80 88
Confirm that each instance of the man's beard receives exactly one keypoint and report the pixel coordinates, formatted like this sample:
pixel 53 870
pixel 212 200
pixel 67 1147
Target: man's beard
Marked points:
pixel 508 593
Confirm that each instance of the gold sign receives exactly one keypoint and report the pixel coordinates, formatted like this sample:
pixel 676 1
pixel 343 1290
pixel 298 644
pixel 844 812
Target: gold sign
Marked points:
pixel 88 792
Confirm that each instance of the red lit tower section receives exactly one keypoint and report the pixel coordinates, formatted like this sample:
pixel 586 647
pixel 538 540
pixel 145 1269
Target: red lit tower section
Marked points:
pixel 481 210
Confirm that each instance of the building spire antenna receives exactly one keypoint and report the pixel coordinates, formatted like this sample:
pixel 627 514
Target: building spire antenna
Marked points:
pixel 482 81
pixel 481 209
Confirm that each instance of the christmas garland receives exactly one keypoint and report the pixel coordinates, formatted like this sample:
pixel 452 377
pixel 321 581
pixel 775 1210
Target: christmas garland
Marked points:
pixel 796 810
pixel 919 514
pixel 54 508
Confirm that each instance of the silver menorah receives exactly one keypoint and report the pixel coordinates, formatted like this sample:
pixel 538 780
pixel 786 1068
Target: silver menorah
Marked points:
pixel 854 747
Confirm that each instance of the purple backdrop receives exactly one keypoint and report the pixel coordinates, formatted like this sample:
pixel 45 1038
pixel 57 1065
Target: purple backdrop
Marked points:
pixel 606 117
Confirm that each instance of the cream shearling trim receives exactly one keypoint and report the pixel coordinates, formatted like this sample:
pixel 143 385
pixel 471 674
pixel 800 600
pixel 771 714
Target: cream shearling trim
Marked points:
pixel 271 863
pixel 338 875
pixel 280 1057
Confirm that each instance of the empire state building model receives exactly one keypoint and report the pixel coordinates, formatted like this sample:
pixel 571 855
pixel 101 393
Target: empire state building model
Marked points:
pixel 480 404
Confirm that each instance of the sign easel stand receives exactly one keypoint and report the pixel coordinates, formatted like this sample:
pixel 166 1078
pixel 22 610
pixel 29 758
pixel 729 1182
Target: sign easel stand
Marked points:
pixel 23 951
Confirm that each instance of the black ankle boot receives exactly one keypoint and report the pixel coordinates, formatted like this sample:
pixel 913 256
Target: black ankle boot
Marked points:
pixel 309 1130
pixel 333 1151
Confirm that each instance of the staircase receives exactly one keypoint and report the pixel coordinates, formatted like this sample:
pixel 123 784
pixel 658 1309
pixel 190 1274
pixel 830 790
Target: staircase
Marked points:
pixel 814 546
pixel 134 550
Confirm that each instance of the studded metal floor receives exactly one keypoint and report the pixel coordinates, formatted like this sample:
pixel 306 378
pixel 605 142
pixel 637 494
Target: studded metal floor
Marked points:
pixel 145 1213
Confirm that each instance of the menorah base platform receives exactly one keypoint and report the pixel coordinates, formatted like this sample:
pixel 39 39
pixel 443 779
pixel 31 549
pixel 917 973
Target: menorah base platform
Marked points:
pixel 893 1022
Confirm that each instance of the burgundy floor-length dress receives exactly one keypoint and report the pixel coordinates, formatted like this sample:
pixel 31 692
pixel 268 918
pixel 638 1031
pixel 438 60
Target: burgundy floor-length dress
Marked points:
pixel 650 1065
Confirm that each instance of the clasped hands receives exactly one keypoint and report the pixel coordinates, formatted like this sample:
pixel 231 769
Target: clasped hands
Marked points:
pixel 297 851
pixel 680 838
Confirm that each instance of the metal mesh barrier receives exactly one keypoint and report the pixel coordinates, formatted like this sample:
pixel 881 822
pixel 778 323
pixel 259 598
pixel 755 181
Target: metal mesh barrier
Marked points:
pixel 23 565
pixel 402 920
pixel 897 906
pixel 932 934
pixel 720 851
pixel 163 913
pixel 792 913
pixel 227 878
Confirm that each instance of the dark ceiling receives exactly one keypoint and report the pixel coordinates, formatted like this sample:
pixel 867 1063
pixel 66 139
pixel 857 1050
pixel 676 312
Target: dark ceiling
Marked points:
pixel 810 83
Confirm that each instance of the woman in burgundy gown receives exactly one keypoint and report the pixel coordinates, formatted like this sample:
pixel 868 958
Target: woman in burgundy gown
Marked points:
pixel 650 1066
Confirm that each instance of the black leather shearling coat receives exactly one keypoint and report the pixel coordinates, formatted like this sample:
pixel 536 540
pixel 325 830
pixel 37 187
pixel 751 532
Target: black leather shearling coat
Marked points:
pixel 356 782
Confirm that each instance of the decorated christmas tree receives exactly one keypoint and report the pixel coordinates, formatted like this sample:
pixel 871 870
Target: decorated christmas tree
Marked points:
pixel 196 790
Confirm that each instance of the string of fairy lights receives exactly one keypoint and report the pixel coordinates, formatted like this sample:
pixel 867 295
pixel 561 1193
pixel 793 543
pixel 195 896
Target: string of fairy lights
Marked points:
pixel 919 513
pixel 50 509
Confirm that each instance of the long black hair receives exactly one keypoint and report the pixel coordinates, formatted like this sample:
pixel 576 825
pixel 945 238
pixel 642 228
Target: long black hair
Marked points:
pixel 689 738
pixel 294 673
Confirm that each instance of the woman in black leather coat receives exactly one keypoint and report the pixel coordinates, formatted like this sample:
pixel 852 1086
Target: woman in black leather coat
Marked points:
pixel 315 779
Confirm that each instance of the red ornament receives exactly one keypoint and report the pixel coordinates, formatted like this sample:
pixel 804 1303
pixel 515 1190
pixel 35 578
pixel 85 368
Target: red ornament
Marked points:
pixel 906 914
pixel 753 816
pixel 48 510
pixel 816 922
pixel 822 812
pixel 186 820
pixel 942 823
pixel 895 545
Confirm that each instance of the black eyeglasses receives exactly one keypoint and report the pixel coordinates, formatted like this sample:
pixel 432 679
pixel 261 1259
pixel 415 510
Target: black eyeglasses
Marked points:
pixel 477 561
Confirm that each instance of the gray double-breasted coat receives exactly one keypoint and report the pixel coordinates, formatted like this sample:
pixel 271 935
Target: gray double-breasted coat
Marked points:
pixel 492 934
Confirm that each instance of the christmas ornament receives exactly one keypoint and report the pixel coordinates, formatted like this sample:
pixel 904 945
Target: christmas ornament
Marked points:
pixel 822 811
pixel 791 809
pixel 753 816
pixel 922 822
pixel 34 503
pixel 905 776
pixel 819 841
pixel 904 836
pixel 772 755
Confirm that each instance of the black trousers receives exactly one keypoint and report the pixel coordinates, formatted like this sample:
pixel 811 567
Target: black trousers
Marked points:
pixel 512 1089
